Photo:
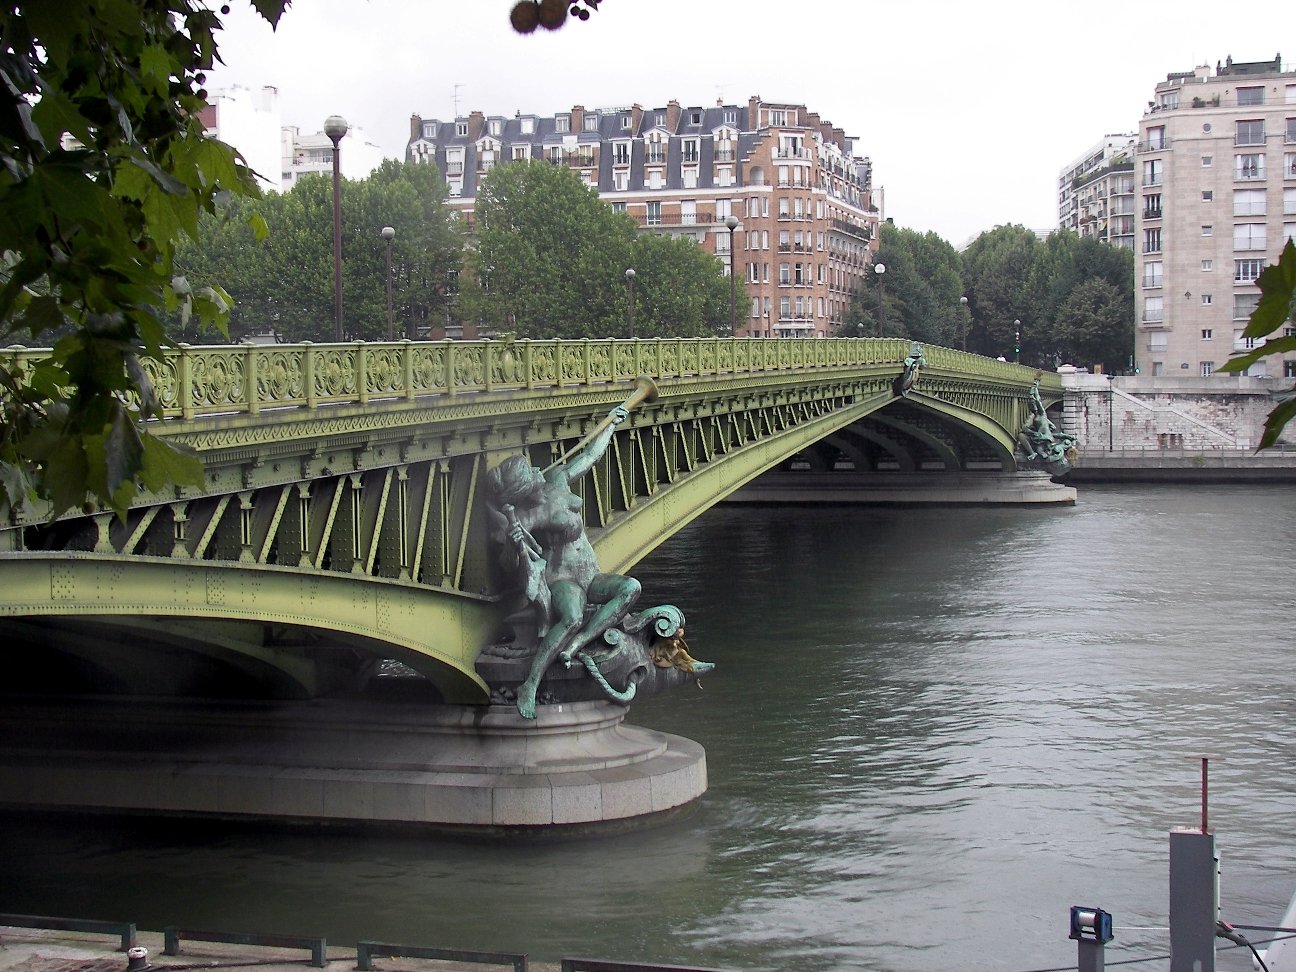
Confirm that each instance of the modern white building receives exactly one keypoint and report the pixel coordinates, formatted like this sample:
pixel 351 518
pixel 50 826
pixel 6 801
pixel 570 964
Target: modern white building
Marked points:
pixel 1217 180
pixel 249 121
pixel 1096 192
pixel 301 154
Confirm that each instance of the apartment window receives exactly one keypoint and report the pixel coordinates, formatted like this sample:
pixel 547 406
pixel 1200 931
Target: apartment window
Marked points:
pixel 1152 169
pixel 1153 310
pixel 1152 206
pixel 655 179
pixel 1207 334
pixel 1289 165
pixel 654 214
pixel 621 180
pixel 1156 139
pixel 528 126
pixel 496 126
pixel 1207 161
pixel 626 121
pixel 785 240
pixel 1249 131
pixel 695 118
pixel 1208 264
pixel 1207 300
pixel 1250 95
pixel 562 123
pixel 1244 305
pixel 1249 236
pixel 1246 271
pixel 521 153
pixel 785 273
pixel 689 150
pixel 590 122
pixel 1289 201
pixel 461 129
pixel 1289 369
pixel 1207 229
pixel 1157 341
pixel 1249 165
pixel 1248 202
pixel 1206 368
pixel 731 116
pixel 724 209
pixel 1288 232
pixel 1152 274
pixel 753 273
pixel 620 153
pixel 783 205
pixel 1152 240
pixel 1289 133
pixel 1208 195
pixel 778 117
pixel 785 308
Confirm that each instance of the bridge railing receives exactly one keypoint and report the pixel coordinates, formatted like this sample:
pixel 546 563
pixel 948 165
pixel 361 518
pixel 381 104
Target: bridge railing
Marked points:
pixel 192 381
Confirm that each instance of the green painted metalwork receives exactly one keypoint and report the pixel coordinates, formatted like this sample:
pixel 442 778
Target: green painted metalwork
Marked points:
pixel 343 504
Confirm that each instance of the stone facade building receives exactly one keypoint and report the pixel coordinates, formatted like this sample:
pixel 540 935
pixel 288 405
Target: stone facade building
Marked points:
pixel 805 226
pixel 1217 201
pixel 1096 192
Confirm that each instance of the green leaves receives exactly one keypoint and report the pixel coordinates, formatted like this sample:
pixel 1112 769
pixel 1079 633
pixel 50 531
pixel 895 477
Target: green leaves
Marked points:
pixel 88 233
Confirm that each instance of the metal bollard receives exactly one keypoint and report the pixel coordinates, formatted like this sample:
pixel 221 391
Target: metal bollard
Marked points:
pixel 1092 930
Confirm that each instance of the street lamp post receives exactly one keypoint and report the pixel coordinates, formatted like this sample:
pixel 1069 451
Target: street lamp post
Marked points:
pixel 335 126
pixel 630 275
pixel 731 223
pixel 963 325
pixel 880 270
pixel 1017 342
pixel 389 234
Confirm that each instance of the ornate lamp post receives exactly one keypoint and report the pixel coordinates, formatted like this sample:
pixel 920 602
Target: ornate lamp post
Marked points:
pixel 963 324
pixel 389 234
pixel 880 270
pixel 1017 342
pixel 731 223
pixel 630 275
pixel 335 126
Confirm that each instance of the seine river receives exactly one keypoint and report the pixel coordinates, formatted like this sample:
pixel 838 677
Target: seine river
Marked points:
pixel 930 732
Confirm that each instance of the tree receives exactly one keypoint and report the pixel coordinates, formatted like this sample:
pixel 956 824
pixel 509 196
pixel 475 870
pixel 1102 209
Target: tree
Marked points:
pixel 921 289
pixel 1063 263
pixel 285 281
pixel 1277 306
pixel 1093 326
pixel 551 257
pixel 103 164
pixel 997 267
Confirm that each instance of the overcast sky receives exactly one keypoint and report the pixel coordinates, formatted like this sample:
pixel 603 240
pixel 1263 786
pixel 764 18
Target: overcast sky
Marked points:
pixel 967 109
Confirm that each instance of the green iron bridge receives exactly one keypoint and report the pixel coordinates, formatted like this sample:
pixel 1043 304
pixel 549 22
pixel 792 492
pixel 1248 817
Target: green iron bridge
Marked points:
pixel 342 520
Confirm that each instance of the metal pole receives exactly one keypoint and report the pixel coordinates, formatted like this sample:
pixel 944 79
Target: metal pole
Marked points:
pixel 335 127
pixel 733 288
pixel 630 277
pixel 389 234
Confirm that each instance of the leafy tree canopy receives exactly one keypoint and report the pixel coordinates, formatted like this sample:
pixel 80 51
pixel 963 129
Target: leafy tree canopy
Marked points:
pixel 103 164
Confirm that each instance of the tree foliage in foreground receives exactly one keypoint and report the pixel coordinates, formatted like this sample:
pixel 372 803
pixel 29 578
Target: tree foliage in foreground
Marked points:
pixel 284 281
pixel 551 257
pixel 103 164
pixel 1277 307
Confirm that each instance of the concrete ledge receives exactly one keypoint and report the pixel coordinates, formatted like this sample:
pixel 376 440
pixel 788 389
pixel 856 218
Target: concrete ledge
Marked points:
pixel 346 763
pixel 906 489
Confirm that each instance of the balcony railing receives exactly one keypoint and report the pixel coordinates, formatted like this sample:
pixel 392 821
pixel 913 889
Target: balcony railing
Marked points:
pixel 675 219
pixel 1153 145
pixel 724 155
pixel 1152 214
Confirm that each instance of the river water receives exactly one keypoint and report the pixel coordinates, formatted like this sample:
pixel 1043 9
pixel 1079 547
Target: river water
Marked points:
pixel 930 732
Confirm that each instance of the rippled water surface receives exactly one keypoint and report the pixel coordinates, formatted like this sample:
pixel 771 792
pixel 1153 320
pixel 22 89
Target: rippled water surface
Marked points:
pixel 930 733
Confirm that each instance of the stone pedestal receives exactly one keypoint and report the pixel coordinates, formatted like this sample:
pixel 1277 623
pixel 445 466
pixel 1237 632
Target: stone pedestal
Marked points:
pixel 347 763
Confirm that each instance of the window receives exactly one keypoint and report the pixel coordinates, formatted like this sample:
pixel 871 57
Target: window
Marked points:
pixel 1248 202
pixel 654 214
pixel 778 117
pixel 621 180
pixel 731 116
pixel 1208 161
pixel 521 153
pixel 1153 310
pixel 655 179
pixel 461 129
pixel 1207 334
pixel 1250 96
pixel 1289 133
pixel 528 126
pixel 695 118
pixel 1249 131
pixel 1208 264
pixel 785 308
pixel 1152 274
pixel 689 150
pixel 1289 165
pixel 1152 169
pixel 1152 240
pixel 785 273
pixel 562 123
pixel 1289 369
pixel 1249 236
pixel 1289 201
pixel 1207 299
pixel 1156 139
pixel 618 207
pixel 620 153
pixel 496 126
pixel 1208 195
pixel 1152 206
pixel 724 209
pixel 626 121
pixel 590 122
pixel 1206 368
pixel 1248 166
pixel 656 151
pixel 1207 229
pixel 1244 305
pixel 1246 271
pixel 1288 232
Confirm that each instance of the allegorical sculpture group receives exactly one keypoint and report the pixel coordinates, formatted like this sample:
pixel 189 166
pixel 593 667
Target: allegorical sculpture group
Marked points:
pixel 1041 440
pixel 571 610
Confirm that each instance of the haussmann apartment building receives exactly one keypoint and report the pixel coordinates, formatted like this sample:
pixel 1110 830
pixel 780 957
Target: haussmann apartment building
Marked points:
pixel 804 223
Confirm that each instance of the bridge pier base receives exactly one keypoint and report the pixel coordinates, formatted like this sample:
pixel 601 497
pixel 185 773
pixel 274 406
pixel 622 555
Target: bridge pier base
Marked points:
pixel 347 763
pixel 1026 488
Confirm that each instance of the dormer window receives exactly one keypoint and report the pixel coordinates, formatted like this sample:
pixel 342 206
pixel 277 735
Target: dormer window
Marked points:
pixel 496 126
pixel 528 126
pixel 591 122
pixel 695 118
pixel 562 123
pixel 461 129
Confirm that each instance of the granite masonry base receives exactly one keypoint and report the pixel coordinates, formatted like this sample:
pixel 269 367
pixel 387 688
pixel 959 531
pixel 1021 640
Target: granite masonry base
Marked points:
pixel 577 767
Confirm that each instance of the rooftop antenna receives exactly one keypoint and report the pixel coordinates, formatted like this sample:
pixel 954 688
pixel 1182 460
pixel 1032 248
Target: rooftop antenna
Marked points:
pixel 457 86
